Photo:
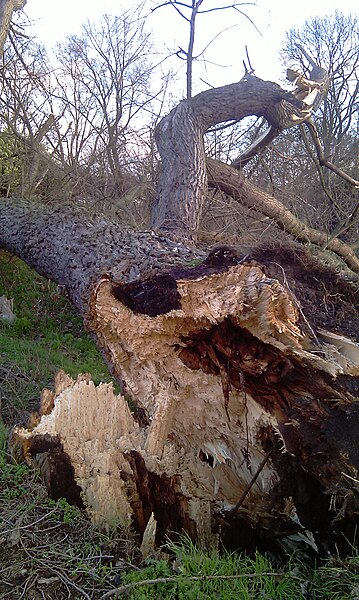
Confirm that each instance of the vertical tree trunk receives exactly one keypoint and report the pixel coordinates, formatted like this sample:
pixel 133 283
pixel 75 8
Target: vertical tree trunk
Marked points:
pixel 7 7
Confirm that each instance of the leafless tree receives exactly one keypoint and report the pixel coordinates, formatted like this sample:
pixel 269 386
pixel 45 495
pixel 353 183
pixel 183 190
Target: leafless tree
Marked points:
pixel 85 113
pixel 103 85
pixel 189 11
pixel 333 41
pixel 25 109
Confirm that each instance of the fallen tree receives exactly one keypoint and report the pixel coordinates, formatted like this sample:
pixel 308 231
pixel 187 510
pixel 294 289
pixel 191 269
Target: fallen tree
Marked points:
pixel 244 385
pixel 245 416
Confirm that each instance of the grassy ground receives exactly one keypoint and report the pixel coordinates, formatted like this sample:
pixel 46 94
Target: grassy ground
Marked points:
pixel 48 549
pixel 47 335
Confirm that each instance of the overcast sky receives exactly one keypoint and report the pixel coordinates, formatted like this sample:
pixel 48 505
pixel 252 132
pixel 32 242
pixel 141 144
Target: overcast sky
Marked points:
pixel 54 20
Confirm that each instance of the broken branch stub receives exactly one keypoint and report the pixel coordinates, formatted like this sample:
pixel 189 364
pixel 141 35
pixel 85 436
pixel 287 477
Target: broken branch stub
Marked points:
pixel 233 402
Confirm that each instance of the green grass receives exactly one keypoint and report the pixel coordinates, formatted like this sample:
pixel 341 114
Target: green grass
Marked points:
pixel 50 549
pixel 47 335
pixel 211 576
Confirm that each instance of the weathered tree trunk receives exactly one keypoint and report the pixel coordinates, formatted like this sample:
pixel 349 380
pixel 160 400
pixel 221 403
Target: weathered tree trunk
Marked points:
pixel 245 416
pixel 186 172
pixel 245 419
pixel 7 7
pixel 179 137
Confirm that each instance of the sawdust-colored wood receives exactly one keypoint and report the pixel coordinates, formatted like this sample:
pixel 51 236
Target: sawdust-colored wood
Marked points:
pixel 220 382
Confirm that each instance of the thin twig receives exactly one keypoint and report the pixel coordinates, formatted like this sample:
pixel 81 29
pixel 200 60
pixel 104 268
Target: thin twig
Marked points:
pixel 298 305
pixel 250 485
pixel 30 524
pixel 180 579
pixel 322 160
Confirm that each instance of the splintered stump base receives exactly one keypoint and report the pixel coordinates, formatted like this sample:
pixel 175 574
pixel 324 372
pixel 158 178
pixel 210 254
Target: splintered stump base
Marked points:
pixel 242 423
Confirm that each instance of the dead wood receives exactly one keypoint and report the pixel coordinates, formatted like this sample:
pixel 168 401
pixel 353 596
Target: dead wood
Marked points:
pixel 244 400
pixel 234 184
pixel 236 402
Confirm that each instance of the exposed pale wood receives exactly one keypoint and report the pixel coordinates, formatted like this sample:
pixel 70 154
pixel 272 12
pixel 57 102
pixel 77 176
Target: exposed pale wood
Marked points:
pixel 310 91
pixel 222 381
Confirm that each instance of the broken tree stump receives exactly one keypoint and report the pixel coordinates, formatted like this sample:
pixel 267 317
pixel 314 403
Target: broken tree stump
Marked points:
pixel 246 419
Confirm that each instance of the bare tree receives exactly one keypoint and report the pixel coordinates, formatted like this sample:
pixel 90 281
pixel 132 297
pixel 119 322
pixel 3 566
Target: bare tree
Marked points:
pixel 85 115
pixel 25 109
pixel 189 11
pixel 330 140
pixel 103 85
pixel 331 41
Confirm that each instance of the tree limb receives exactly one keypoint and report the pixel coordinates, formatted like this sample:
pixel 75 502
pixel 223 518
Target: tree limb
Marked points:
pixel 309 91
pixel 321 158
pixel 234 184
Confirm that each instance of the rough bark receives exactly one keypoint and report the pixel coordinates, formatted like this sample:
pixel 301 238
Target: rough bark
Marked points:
pixel 179 137
pixel 7 7
pixel 230 383
pixel 310 91
pixel 75 248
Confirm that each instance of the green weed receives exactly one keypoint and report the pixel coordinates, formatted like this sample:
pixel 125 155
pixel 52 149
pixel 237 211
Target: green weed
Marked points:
pixel 47 335
pixel 210 576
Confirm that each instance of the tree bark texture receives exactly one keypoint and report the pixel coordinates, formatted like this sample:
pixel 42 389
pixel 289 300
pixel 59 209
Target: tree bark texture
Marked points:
pixel 179 137
pixel 246 420
pixel 7 7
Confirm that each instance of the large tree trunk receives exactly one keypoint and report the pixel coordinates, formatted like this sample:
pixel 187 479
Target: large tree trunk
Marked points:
pixel 245 420
pixel 244 385
pixel 245 416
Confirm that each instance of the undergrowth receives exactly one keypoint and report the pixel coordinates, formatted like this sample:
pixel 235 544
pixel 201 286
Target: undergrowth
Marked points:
pixel 47 335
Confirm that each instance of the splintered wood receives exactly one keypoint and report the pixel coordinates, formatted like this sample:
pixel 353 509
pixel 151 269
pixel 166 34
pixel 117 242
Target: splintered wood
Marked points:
pixel 222 382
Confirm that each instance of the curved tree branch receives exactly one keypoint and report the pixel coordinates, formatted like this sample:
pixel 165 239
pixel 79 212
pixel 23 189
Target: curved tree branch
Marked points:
pixel 310 91
pixel 179 137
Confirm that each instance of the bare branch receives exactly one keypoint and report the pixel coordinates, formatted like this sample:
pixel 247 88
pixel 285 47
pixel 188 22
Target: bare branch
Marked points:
pixel 235 6
pixel 321 158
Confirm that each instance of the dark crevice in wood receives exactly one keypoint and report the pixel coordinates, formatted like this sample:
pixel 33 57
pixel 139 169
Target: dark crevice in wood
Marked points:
pixel 153 297
pixel 310 500
pixel 160 495
pixel 316 420
pixel 159 295
pixel 56 469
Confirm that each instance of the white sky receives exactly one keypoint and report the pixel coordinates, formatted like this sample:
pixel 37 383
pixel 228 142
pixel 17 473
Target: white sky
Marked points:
pixel 54 20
